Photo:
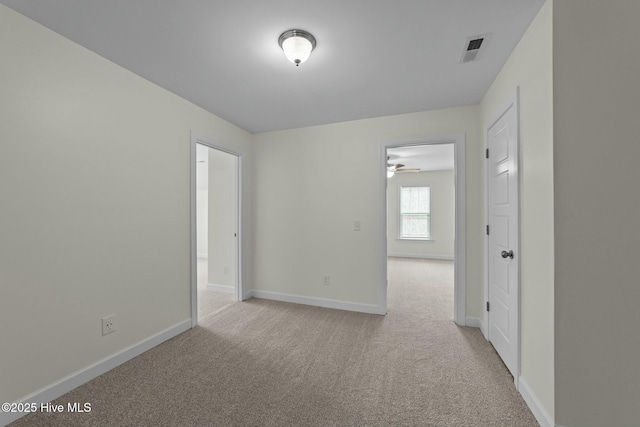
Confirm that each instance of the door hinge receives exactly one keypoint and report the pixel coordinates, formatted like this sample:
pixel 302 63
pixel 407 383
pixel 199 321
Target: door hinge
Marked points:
pixel 486 153
pixel 487 305
pixel 487 230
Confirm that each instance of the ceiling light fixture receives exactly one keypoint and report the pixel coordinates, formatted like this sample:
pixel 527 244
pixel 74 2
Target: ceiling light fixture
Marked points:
pixel 297 45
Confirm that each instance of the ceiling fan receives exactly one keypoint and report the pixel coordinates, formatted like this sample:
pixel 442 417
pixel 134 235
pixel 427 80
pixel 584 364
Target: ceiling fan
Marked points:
pixel 398 168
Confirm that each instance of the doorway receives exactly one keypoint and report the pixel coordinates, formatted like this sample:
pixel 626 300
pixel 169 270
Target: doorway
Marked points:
pixel 418 228
pixel 216 255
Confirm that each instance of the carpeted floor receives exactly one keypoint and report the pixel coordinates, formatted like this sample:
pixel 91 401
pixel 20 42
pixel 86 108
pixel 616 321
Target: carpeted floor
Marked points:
pixel 266 363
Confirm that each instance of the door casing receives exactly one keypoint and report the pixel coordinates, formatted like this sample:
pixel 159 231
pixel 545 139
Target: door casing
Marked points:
pixel 458 140
pixel 239 291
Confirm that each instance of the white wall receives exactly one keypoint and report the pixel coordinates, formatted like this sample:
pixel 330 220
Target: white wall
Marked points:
pixel 312 183
pixel 94 183
pixel 202 201
pixel 202 209
pixel 442 230
pixel 222 218
pixel 202 217
pixel 596 114
pixel 530 68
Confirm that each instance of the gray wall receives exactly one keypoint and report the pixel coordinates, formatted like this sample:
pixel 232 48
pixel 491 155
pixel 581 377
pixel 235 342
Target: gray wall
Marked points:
pixel 597 207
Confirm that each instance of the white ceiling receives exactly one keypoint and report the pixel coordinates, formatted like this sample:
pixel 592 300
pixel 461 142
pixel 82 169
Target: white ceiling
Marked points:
pixel 373 57
pixel 434 157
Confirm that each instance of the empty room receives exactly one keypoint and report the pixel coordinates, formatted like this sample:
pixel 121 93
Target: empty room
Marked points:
pixel 360 213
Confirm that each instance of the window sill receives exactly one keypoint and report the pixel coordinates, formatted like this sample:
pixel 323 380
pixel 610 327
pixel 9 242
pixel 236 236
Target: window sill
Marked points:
pixel 419 239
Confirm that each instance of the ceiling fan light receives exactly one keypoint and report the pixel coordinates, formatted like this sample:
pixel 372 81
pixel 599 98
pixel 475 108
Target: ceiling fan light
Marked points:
pixel 390 173
pixel 297 45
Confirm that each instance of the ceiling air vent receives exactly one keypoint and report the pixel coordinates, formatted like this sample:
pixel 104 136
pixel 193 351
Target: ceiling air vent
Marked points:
pixel 472 48
pixel 474 44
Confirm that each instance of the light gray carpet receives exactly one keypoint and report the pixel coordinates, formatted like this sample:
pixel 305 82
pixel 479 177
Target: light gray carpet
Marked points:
pixel 266 363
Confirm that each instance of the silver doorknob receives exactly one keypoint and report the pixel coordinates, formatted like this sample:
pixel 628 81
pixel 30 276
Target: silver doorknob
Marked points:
pixel 506 254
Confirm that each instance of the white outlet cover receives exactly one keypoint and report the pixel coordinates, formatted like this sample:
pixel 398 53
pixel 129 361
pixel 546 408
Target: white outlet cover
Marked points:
pixel 108 324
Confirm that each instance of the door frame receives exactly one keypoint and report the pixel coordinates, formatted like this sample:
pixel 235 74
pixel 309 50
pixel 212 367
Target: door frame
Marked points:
pixel 239 285
pixel 460 245
pixel 512 102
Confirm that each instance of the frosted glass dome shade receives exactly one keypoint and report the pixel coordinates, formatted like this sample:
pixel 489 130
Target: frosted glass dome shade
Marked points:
pixel 297 45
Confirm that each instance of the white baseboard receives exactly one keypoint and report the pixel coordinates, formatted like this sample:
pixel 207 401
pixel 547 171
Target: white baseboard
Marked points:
pixel 421 256
pixel 532 401
pixel 318 302
pixel 76 379
pixel 221 288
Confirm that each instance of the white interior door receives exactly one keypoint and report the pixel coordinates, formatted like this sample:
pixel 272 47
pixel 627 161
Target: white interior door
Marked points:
pixel 503 234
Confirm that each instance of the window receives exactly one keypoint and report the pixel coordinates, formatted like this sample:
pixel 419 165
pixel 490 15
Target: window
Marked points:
pixel 415 217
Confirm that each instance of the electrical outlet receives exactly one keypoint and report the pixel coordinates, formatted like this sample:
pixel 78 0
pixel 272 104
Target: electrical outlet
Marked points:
pixel 356 225
pixel 108 324
pixel 226 269
pixel 327 280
